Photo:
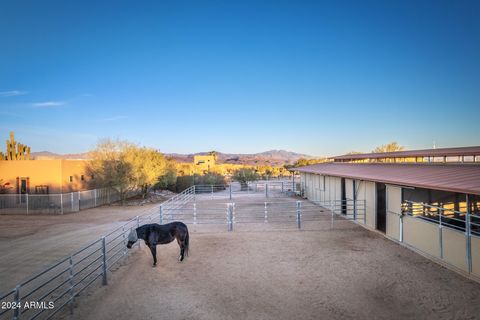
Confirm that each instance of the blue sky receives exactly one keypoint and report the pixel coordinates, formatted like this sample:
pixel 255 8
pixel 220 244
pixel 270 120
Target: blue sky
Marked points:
pixel 316 77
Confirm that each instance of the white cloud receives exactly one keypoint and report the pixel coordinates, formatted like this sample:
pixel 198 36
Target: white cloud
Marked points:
pixel 12 93
pixel 48 104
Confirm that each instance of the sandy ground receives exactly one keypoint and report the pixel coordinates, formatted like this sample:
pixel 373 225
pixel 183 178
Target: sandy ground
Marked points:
pixel 342 273
pixel 29 244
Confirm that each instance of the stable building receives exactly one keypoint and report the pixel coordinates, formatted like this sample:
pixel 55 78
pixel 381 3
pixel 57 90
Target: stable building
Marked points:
pixel 428 200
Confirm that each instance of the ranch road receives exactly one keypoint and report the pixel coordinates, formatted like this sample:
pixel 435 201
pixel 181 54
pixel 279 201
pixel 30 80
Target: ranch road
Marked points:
pixel 29 244
pixel 328 274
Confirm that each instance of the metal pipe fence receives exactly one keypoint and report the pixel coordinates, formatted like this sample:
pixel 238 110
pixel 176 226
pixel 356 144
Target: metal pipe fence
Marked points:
pixel 45 294
pixel 60 203
pixel 461 221
pixel 232 213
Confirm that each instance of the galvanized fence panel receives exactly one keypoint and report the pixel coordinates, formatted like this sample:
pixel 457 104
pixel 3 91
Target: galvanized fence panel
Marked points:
pixel 58 203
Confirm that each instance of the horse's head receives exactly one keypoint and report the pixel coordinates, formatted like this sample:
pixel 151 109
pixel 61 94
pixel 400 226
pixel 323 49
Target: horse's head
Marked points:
pixel 132 238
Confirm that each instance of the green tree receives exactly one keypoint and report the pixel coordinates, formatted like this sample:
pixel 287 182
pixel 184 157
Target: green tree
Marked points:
pixel 244 175
pixel 125 166
pixel 390 147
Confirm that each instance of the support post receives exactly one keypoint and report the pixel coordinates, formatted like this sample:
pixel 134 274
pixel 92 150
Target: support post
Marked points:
pixel 401 227
pixel 194 213
pixel 468 235
pixel 266 190
pixel 95 197
pixel 124 241
pixel 71 199
pixel 230 191
pixel 27 202
pixel 78 200
pixel 16 297
pixel 299 215
pixel 282 188
pixel 104 262
pixel 70 278
pixel 266 213
pixel 61 203
pixel 440 232
pixel 230 217
pixel 161 214
pixel 138 225
pixel 354 201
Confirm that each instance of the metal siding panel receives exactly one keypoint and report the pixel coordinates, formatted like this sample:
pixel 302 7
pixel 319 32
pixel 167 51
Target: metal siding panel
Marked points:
pixel 476 256
pixel 421 235
pixel 454 248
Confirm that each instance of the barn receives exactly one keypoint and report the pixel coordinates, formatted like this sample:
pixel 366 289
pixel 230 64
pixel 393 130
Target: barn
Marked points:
pixel 427 200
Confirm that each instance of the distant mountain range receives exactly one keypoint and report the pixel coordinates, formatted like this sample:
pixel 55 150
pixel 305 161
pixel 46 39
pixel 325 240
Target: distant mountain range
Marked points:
pixel 272 157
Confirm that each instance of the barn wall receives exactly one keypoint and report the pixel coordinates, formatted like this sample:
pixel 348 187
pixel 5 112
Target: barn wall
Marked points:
pixel 349 194
pixel 476 256
pixel 394 205
pixel 455 248
pixel 422 235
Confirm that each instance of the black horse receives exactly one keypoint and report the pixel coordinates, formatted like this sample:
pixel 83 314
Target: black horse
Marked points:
pixel 154 234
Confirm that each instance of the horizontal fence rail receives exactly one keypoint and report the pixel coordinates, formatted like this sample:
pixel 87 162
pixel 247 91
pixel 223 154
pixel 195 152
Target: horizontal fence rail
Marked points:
pixel 60 203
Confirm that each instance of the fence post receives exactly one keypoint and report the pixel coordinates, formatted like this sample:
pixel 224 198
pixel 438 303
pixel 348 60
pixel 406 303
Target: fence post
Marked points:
pixel 61 203
pixel 94 197
pixel 468 236
pixel 194 192
pixel 79 200
pixel 299 215
pixel 194 213
pixel 27 202
pixel 161 214
pixel 282 187
pixel 212 191
pixel 440 233
pixel 16 297
pixel 124 241
pixel 70 277
pixel 230 191
pixel 266 190
pixel 266 216
pixel 71 199
pixel 104 264
pixel 230 216
pixel 138 225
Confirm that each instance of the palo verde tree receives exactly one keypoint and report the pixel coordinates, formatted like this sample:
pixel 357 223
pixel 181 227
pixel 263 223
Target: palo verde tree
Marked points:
pixel 125 166
pixel 244 175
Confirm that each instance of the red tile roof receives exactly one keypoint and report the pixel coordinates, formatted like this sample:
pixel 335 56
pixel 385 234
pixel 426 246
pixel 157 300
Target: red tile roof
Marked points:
pixel 463 178
pixel 441 152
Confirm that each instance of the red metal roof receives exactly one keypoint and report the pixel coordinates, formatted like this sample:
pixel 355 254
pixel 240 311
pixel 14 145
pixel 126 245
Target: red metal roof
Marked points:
pixel 463 178
pixel 441 152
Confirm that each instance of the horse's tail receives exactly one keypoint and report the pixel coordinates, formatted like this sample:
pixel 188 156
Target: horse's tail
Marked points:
pixel 187 242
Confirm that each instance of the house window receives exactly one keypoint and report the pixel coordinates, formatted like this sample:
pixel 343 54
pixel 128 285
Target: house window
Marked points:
pixel 82 177
pixel 71 178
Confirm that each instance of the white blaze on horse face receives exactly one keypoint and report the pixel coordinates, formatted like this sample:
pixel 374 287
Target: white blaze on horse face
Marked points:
pixel 132 236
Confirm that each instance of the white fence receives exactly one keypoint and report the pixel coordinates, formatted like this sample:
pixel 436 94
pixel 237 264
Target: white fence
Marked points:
pixel 57 203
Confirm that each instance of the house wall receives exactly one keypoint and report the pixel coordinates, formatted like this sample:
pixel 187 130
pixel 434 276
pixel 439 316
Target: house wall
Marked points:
pixel 52 173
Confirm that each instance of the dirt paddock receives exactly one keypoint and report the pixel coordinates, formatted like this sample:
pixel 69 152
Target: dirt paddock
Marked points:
pixel 342 273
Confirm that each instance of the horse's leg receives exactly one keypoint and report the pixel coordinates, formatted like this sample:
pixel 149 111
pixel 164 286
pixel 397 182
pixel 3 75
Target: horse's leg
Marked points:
pixel 181 244
pixel 153 249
